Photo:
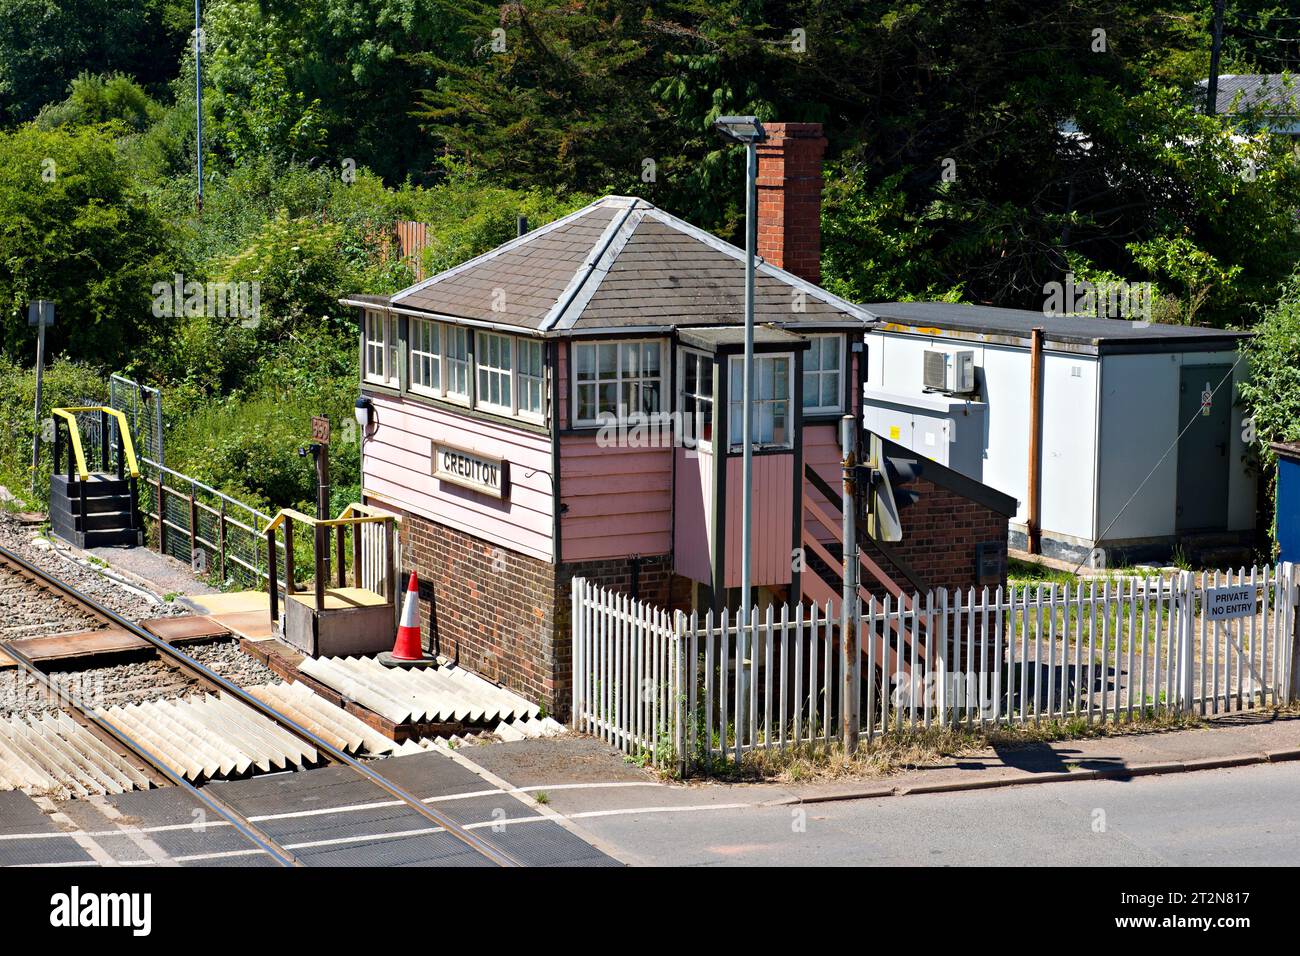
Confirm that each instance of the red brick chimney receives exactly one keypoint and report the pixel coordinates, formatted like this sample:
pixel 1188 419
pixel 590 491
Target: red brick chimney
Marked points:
pixel 790 198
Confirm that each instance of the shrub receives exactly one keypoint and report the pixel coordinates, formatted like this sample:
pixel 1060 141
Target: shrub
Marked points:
pixel 1272 393
pixel 248 447
pixel 66 383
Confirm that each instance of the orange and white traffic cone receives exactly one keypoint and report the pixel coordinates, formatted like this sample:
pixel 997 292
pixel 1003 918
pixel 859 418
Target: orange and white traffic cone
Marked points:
pixel 407 646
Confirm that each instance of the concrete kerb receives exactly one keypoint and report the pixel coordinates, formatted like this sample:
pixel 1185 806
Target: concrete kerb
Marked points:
pixel 1070 776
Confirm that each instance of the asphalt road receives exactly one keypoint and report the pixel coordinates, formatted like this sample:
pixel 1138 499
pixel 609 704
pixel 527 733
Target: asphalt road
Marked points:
pixel 1243 816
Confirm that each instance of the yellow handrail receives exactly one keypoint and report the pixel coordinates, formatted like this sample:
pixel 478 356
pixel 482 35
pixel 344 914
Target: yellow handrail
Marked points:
pixel 342 520
pixel 74 433
pixel 369 511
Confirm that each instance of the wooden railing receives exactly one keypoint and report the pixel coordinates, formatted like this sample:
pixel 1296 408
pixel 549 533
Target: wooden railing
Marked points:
pixel 355 516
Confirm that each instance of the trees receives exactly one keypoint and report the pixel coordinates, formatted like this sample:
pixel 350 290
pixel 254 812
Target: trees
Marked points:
pixel 1272 394
pixel 44 45
pixel 75 229
pixel 322 81
pixel 96 99
pixel 987 148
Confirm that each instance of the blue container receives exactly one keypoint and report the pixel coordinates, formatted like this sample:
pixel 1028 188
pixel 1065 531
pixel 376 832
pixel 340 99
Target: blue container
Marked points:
pixel 1288 501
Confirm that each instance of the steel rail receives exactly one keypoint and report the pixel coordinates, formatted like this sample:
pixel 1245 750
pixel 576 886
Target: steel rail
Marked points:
pixel 218 806
pixel 482 847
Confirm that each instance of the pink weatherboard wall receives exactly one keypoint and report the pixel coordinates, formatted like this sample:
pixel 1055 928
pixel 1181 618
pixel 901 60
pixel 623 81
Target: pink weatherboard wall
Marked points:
pixel 398 468
pixel 620 500
pixel 821 450
pixel 773 500
pixel 691 515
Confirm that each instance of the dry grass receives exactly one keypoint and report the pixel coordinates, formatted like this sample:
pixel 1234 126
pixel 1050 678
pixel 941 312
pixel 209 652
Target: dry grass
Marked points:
pixel 898 751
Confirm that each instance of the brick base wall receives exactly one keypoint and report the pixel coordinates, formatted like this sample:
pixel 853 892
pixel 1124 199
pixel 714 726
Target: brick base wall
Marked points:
pixel 653 580
pixel 654 583
pixel 940 533
pixel 506 615
pixel 489 608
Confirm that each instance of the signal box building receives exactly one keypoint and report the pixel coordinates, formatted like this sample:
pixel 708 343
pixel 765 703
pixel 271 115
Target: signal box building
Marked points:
pixel 568 404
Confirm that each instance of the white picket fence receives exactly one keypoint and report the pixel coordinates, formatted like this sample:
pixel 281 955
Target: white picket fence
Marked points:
pixel 695 689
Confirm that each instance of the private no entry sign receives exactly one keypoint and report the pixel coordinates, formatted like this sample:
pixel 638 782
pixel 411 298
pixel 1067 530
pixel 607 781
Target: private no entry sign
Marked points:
pixel 1224 604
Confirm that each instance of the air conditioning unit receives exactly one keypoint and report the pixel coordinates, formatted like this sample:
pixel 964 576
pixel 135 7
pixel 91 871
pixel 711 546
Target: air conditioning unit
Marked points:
pixel 951 372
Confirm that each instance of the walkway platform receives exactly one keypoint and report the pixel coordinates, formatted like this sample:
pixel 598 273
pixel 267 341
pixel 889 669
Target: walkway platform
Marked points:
pixel 246 614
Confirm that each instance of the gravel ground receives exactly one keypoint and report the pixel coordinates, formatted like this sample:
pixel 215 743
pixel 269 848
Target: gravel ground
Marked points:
pixel 29 613
pixel 134 683
pixel 230 662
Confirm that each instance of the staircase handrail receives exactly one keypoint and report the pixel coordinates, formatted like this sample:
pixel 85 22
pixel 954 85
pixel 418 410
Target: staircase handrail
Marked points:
pixel 74 434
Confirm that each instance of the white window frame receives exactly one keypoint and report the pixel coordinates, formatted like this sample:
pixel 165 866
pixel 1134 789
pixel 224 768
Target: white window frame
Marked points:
pixel 819 373
pixel 523 379
pixel 503 373
pixel 619 380
pixel 415 356
pixel 385 346
pixel 473 344
pixel 690 434
pixel 451 364
pixel 735 396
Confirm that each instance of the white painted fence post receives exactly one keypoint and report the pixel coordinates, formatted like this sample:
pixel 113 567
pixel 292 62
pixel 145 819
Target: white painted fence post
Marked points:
pixel 575 654
pixel 1292 599
pixel 1186 618
pixel 678 658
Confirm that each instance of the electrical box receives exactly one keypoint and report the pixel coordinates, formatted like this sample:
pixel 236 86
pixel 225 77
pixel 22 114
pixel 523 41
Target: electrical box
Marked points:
pixel 952 372
pixel 951 431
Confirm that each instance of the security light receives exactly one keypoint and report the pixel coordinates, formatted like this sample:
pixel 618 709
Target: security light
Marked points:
pixel 743 129
pixel 362 411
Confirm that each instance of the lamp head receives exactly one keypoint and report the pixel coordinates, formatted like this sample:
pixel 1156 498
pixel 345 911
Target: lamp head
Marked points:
pixel 363 409
pixel 742 129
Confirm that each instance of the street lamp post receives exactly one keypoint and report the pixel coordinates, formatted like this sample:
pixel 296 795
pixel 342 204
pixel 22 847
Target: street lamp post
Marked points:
pixel 749 131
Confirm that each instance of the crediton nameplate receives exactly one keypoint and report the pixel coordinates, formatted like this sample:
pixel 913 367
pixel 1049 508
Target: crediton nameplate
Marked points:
pixel 468 469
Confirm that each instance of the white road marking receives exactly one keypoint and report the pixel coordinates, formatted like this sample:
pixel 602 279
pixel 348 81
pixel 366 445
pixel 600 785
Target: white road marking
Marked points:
pixel 505 789
pixel 80 837
pixel 133 833
pixel 429 831
pixel 528 801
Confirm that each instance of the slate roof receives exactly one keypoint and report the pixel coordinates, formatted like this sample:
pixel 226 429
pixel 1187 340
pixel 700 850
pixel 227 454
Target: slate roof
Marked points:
pixel 984 320
pixel 732 337
pixel 620 264
pixel 1275 93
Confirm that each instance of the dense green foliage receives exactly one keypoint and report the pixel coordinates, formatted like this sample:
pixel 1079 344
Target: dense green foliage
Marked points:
pixel 64 383
pixel 1273 392
pixel 45 44
pixel 976 152
pixel 76 228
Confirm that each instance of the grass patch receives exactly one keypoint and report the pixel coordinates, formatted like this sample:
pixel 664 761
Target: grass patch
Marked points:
pixel 898 751
pixel 1030 572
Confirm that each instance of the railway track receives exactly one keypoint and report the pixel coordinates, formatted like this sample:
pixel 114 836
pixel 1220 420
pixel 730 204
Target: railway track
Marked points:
pixel 38 578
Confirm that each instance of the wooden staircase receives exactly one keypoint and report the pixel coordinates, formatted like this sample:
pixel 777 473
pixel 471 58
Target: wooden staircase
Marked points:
pixel 889 639
pixel 94 502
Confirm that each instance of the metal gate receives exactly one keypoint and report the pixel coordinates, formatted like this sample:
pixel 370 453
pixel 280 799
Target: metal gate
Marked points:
pixel 142 407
